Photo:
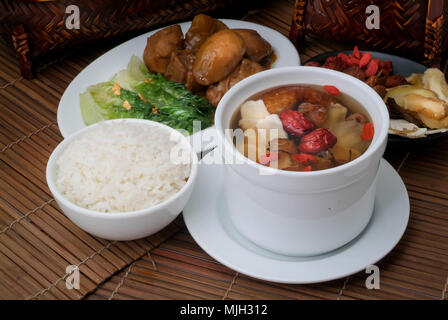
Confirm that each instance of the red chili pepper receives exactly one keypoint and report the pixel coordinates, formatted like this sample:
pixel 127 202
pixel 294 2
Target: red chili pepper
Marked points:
pixel 332 90
pixel 304 158
pixel 365 59
pixel 268 157
pixel 356 53
pixel 367 132
pixel 372 68
pixel 307 168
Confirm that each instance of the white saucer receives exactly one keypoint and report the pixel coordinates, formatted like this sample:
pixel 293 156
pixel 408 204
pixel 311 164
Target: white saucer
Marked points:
pixel 208 222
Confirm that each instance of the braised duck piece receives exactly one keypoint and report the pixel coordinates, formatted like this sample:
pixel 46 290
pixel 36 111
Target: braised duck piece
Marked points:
pixel 201 28
pixel 289 97
pixel 256 47
pixel 218 57
pixel 246 68
pixel 317 114
pixel 160 46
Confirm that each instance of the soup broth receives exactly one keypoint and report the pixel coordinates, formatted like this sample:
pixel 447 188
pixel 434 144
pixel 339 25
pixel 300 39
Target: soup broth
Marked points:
pixel 302 128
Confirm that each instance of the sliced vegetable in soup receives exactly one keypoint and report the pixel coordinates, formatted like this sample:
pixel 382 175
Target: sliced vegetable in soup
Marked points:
pixel 302 128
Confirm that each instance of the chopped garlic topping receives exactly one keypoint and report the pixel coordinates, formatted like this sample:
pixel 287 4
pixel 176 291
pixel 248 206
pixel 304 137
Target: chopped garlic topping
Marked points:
pixel 142 97
pixel 127 105
pixel 116 88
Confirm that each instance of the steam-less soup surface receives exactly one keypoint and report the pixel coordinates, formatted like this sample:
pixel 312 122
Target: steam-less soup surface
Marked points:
pixel 302 128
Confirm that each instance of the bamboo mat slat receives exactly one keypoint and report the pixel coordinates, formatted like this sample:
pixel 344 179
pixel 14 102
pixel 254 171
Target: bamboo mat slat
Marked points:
pixel 37 241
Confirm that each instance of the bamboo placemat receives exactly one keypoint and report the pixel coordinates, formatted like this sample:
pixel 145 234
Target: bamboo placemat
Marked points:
pixel 37 242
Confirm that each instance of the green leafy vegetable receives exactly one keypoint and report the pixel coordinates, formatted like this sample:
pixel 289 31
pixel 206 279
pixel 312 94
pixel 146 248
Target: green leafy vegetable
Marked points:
pixel 150 96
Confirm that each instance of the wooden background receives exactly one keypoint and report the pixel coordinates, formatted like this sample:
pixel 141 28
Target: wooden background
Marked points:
pixel 37 242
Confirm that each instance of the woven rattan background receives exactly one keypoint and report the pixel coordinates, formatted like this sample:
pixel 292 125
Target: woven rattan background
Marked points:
pixel 37 242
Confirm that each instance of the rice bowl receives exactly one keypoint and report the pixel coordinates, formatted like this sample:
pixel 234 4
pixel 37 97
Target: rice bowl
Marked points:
pixel 158 212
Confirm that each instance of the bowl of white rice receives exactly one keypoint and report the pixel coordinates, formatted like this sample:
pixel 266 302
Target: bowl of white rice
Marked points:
pixel 123 179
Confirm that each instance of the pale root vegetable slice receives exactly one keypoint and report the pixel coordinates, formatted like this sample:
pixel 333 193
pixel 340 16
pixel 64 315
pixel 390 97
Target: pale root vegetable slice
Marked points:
pixel 416 79
pixel 273 127
pixel 336 113
pixel 398 93
pixel 434 80
pixel 430 107
pixel 433 123
pixel 245 124
pixel 254 109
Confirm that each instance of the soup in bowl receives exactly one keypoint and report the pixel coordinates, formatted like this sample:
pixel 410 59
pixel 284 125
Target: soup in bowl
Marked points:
pixel 302 128
pixel 322 197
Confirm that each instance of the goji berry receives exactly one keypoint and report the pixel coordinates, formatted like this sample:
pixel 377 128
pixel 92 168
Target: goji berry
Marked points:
pixel 317 140
pixel 295 123
pixel 365 59
pixel 368 132
pixel 353 61
pixel 332 90
pixel 304 158
pixel 356 53
pixel 372 68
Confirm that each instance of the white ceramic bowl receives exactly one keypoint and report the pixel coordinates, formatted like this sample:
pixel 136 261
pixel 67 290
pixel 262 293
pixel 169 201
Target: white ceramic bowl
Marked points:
pixel 302 213
pixel 123 225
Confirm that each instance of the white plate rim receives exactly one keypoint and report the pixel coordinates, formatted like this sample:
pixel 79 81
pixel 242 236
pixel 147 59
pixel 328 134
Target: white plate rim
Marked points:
pixel 213 244
pixel 287 56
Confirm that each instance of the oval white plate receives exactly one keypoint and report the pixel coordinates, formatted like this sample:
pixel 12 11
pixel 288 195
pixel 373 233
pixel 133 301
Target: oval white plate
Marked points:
pixel 208 222
pixel 116 59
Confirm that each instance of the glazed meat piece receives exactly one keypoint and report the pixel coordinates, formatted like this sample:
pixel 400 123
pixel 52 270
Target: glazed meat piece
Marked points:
pixel 218 57
pixel 176 69
pixel 380 89
pixel 356 71
pixel 245 69
pixel 201 28
pixel 256 47
pixel 281 99
pixel 395 80
pixel 289 97
pixel 317 114
pixel 160 46
pixel 180 69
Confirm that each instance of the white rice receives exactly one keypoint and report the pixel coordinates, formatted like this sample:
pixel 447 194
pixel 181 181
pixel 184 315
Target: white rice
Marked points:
pixel 120 167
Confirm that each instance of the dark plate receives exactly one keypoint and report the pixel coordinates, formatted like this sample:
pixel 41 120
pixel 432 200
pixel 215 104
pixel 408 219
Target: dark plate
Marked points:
pixel 401 66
